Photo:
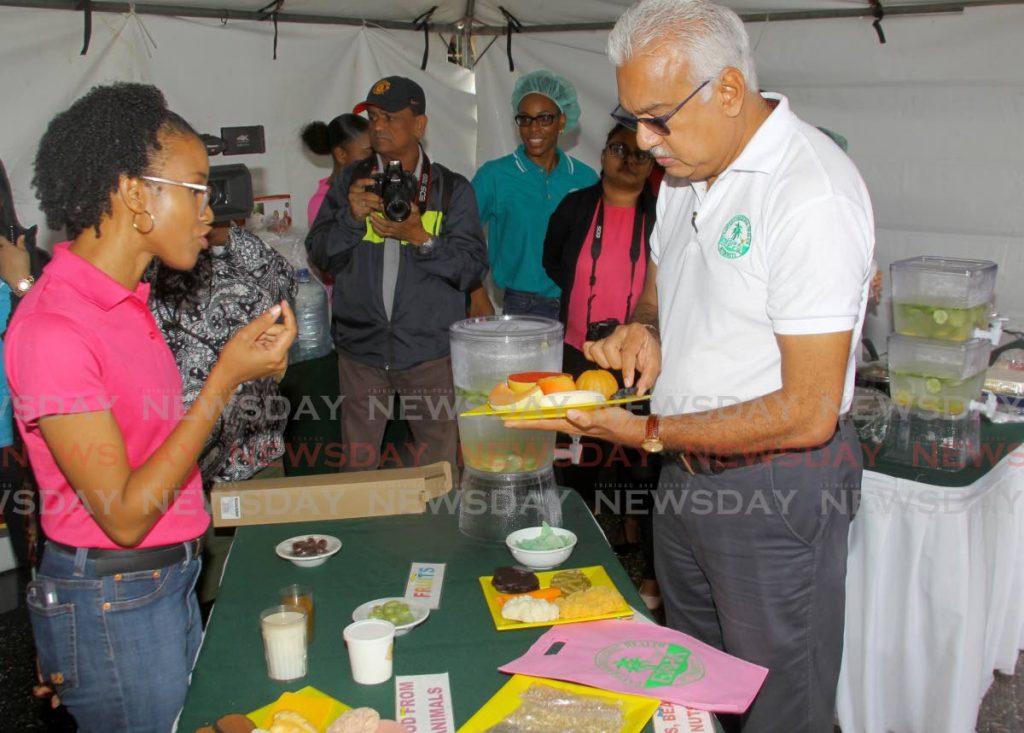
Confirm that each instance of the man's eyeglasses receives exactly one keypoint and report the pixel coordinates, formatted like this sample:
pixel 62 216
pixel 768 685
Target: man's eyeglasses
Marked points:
pixel 546 119
pixel 622 152
pixel 199 188
pixel 657 125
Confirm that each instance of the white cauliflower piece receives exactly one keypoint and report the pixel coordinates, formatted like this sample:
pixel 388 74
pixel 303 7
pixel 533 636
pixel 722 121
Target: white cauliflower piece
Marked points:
pixel 529 610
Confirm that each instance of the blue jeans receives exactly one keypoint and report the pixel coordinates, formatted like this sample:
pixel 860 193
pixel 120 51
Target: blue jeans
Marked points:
pixel 521 303
pixel 118 649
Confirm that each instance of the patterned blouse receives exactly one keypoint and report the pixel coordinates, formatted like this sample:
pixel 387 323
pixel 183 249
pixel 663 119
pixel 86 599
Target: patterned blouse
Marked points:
pixel 198 311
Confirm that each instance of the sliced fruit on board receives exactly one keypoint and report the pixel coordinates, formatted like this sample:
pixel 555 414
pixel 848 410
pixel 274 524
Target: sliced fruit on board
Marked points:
pixel 503 397
pixel 524 381
pixel 557 383
pixel 570 398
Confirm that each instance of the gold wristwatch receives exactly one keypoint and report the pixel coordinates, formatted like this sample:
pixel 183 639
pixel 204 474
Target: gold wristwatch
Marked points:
pixel 652 442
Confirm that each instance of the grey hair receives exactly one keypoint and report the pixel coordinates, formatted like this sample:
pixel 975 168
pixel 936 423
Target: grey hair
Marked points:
pixel 710 36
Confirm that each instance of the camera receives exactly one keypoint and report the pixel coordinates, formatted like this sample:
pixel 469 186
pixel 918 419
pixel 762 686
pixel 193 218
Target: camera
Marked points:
pixel 231 192
pixel 397 189
pixel 601 329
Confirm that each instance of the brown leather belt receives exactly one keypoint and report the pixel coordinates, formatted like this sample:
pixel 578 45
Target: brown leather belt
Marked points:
pixel 113 562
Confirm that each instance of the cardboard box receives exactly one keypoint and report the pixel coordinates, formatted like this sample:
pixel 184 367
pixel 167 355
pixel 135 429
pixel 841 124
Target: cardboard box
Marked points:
pixel 329 496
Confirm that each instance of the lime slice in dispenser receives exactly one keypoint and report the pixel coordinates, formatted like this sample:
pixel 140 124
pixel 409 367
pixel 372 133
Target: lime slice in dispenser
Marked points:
pixel 940 315
pixel 933 385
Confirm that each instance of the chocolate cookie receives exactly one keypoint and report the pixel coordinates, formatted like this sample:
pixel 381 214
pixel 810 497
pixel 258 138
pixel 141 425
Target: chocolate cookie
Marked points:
pixel 514 580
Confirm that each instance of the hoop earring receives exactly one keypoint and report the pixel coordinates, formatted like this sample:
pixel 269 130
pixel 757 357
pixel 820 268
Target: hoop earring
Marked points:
pixel 152 223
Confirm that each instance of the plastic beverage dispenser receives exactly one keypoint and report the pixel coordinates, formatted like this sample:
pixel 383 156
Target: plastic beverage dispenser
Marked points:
pixel 938 359
pixel 507 479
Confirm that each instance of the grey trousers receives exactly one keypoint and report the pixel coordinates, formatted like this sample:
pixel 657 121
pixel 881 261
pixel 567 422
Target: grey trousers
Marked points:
pixel 753 562
pixel 427 396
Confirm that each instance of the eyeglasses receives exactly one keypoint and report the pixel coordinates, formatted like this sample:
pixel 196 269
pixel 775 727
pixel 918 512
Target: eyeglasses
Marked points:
pixel 622 152
pixel 199 188
pixel 657 125
pixel 546 119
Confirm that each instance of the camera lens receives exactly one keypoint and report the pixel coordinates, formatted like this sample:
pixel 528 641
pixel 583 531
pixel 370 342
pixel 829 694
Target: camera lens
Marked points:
pixel 217 195
pixel 397 209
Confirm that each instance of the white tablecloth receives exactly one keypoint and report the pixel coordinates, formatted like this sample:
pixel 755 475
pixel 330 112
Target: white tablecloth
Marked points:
pixel 934 600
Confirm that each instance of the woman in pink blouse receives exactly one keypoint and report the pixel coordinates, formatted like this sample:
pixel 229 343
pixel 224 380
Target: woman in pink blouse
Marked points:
pixel 97 398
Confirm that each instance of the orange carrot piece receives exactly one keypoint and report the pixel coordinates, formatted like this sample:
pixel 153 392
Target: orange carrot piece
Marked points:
pixel 547 594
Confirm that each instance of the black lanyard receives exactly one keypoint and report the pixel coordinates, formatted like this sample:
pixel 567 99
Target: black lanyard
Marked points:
pixel 634 255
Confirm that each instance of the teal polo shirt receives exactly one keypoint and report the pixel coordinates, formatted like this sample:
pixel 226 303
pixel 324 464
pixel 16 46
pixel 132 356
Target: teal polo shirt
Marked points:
pixel 516 198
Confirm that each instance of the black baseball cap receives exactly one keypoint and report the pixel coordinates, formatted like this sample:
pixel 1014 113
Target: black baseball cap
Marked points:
pixel 393 94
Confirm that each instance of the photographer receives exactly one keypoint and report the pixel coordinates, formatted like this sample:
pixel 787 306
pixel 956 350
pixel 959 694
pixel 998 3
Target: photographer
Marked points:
pixel 596 251
pixel 400 282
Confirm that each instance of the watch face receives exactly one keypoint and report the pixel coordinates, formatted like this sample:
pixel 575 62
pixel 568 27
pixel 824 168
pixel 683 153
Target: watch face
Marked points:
pixel 652 446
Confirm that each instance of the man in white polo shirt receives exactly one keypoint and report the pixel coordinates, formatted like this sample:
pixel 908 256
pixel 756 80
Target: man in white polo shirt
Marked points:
pixel 755 298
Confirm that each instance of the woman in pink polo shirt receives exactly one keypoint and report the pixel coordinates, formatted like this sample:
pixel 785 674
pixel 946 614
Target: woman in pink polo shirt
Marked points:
pixel 97 398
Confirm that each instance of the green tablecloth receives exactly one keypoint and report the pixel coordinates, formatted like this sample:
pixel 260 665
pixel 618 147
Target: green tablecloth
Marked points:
pixel 459 638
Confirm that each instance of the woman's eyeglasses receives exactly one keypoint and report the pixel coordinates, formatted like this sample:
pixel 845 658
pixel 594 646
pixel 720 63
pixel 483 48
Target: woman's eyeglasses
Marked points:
pixel 657 125
pixel 546 119
pixel 622 152
pixel 202 190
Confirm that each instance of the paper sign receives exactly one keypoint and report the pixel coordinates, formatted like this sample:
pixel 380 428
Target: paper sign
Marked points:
pixel 425 581
pixel 672 718
pixel 423 703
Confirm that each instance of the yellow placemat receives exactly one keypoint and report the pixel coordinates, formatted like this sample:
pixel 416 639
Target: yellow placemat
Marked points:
pixel 545 413
pixel 636 709
pixel 595 573
pixel 317 707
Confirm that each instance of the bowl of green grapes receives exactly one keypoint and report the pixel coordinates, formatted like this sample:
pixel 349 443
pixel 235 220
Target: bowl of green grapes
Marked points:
pixel 401 612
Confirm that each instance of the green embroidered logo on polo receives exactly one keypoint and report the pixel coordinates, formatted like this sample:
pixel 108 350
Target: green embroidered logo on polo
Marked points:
pixel 646 664
pixel 735 239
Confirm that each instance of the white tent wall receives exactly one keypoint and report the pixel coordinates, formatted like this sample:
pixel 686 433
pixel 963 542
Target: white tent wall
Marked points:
pixel 933 117
pixel 217 76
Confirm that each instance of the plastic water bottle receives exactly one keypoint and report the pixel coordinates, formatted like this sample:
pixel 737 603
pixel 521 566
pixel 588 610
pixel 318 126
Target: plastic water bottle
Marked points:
pixel 312 316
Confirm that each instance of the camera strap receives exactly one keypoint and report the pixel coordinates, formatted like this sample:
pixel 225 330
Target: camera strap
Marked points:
pixel 634 255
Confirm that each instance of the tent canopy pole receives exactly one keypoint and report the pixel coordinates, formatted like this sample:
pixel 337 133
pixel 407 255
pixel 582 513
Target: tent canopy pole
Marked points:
pixel 467 24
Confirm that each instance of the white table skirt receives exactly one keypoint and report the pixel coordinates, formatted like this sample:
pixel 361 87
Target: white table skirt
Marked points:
pixel 934 600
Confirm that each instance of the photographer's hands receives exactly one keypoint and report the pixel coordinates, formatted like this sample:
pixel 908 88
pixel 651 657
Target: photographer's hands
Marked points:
pixel 411 230
pixel 362 201
pixel 365 203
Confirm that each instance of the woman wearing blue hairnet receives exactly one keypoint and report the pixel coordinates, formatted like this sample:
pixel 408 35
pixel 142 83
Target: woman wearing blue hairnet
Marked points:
pixel 517 193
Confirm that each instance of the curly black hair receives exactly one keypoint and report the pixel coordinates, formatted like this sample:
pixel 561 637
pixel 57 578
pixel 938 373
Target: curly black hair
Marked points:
pixel 321 138
pixel 112 130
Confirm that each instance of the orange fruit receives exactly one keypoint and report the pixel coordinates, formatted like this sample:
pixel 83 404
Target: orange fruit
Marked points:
pixel 598 380
pixel 525 381
pixel 557 383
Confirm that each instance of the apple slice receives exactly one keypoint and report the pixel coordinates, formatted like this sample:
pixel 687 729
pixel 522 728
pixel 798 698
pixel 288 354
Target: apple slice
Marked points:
pixel 525 381
pixel 504 399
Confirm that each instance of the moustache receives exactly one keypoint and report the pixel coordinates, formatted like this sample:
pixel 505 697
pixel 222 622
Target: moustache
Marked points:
pixel 659 152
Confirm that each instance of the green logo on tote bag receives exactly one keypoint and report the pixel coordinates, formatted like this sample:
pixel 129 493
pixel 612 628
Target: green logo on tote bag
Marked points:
pixel 651 664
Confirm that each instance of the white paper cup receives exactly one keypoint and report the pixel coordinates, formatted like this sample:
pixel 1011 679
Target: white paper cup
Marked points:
pixel 370 649
pixel 284 641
